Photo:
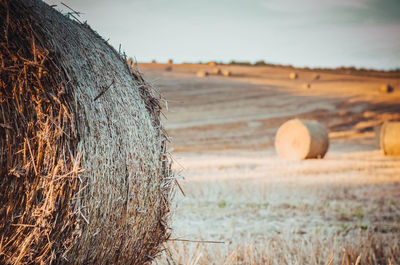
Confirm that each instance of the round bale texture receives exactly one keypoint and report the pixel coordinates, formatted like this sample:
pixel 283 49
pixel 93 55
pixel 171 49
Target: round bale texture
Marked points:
pixel 84 172
pixel 390 138
pixel 298 139
pixel 202 74
pixel 386 88
pixel 316 77
pixel 212 64
pixel 293 76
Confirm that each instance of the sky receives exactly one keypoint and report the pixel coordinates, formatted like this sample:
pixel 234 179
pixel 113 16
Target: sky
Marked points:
pixel 312 33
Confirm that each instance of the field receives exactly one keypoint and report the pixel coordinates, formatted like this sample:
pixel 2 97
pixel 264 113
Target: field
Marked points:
pixel 244 205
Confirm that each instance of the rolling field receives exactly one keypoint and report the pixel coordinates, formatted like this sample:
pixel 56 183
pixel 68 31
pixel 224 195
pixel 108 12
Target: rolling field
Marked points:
pixel 244 205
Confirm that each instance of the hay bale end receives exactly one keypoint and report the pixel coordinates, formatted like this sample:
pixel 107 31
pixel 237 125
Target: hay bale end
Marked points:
pixel 298 139
pixel 389 138
pixel 226 73
pixel 386 88
pixel 293 76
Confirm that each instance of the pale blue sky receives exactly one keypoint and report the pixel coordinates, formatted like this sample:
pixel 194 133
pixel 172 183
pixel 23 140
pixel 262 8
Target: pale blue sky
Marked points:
pixel 327 33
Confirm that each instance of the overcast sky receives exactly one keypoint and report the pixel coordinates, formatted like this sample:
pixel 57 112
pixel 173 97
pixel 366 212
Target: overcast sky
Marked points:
pixel 327 33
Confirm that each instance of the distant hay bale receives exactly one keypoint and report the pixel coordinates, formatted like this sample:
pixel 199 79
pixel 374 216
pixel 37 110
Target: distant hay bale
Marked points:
pixel 168 68
pixel 84 172
pixel 202 74
pixel 390 138
pixel 293 76
pixel 130 61
pixel 343 112
pixel 170 61
pixel 226 73
pixel 386 88
pixel 306 85
pixel 316 77
pixel 299 139
pixel 216 71
pixel 154 62
pixel 212 64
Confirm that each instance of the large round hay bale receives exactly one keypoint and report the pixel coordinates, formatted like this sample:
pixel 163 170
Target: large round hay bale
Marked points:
pixel 202 74
pixel 386 88
pixel 316 77
pixel 212 64
pixel 299 139
pixel 390 138
pixel 84 174
pixel 293 76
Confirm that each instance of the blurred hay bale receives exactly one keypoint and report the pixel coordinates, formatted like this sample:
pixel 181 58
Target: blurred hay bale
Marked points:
pixel 154 62
pixel 226 73
pixel 84 173
pixel 216 71
pixel 130 61
pixel 386 88
pixel 316 77
pixel 343 112
pixel 212 64
pixel 293 76
pixel 168 68
pixel 202 74
pixel 306 85
pixel 299 139
pixel 390 138
pixel 170 61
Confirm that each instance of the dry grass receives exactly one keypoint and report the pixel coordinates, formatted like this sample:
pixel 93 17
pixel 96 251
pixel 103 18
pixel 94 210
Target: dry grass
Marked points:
pixel 269 211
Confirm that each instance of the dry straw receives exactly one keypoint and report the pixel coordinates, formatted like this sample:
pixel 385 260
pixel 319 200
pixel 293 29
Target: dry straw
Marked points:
pixel 297 139
pixel 84 172
pixel 390 138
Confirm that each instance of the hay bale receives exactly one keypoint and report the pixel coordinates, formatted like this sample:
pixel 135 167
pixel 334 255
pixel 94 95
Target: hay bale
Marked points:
pixel 84 174
pixel 170 61
pixel 216 71
pixel 130 61
pixel 306 85
pixel 202 74
pixel 168 68
pixel 390 138
pixel 386 88
pixel 212 64
pixel 316 77
pixel 293 76
pixel 226 73
pixel 299 139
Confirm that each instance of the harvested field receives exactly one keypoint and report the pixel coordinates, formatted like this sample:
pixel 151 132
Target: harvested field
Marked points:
pixel 260 209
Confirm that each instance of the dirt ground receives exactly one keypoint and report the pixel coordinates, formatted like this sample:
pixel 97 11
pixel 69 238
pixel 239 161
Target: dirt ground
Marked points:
pixel 259 209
